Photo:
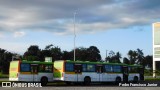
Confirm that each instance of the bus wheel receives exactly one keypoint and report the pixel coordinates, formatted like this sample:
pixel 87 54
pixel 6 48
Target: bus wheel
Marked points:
pixel 118 80
pixel 87 81
pixel 44 81
pixel 135 80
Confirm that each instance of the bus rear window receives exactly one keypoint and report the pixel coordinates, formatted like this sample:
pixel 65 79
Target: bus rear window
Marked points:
pixel 25 67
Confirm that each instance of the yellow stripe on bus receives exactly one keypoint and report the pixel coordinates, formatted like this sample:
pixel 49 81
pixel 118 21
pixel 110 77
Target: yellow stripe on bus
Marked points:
pixel 25 72
pixel 71 73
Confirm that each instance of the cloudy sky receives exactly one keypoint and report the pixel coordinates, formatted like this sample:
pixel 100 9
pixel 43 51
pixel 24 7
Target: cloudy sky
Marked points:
pixel 118 25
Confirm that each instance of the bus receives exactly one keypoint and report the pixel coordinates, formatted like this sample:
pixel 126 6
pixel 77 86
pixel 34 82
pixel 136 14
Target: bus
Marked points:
pixel 87 72
pixel 31 71
pixel 136 73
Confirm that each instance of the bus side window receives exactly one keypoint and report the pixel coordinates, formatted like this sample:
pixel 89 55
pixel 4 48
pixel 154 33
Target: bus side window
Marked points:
pixel 129 69
pixel 133 69
pixel 48 68
pixel 45 68
pixel 91 68
pixel 84 67
pixel 69 67
pixel 117 68
pixel 24 67
pixel 41 68
pixel 108 68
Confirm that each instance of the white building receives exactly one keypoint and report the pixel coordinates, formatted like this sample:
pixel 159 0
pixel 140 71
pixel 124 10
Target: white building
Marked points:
pixel 156 45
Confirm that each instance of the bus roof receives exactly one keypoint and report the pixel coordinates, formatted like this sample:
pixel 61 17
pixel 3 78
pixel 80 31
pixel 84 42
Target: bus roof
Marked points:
pixel 89 62
pixel 135 65
pixel 36 62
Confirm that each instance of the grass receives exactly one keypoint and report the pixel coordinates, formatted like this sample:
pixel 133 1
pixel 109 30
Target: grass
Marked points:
pixel 152 79
pixel 4 75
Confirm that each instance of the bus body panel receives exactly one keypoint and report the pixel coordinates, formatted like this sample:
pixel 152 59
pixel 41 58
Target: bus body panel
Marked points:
pixel 111 77
pixel 33 75
pixel 72 77
pixel 58 70
pixel 132 75
pixel 13 71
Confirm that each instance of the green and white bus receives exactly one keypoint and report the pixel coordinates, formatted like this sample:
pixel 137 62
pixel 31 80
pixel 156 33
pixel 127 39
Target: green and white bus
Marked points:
pixel 87 72
pixel 31 71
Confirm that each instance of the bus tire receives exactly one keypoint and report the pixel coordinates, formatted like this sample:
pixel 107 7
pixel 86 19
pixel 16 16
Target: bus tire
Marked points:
pixel 87 81
pixel 135 80
pixel 44 81
pixel 118 80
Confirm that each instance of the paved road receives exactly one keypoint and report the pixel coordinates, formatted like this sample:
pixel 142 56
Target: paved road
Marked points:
pixel 94 86
pixel 85 88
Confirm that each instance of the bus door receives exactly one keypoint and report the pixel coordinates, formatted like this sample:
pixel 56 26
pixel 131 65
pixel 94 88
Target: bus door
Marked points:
pixel 78 71
pixel 125 73
pixel 34 72
pixel 100 72
pixel 141 73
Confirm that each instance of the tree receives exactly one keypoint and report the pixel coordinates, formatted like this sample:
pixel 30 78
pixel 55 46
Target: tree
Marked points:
pixel 67 55
pixel 148 61
pixel 33 53
pixel 93 54
pixel 118 57
pixel 140 57
pixel 81 54
pixel 132 56
pixel 86 54
pixel 56 53
pixel 126 60
pixel 5 58
pixel 52 51
pixel 113 58
pixel 48 47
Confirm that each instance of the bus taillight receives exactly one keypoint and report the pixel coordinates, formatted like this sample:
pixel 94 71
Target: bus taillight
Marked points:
pixel 17 74
pixel 62 74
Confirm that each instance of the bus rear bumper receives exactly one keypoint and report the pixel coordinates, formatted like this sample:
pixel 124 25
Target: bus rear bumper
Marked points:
pixel 13 79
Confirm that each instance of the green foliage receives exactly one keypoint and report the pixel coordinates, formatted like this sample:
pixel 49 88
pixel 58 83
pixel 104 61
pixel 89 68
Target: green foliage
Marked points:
pixel 32 58
pixel 5 58
pixel 126 60
pixel 113 57
pixel 35 54
pixel 4 75
pixel 150 72
pixel 86 54
pixel 152 79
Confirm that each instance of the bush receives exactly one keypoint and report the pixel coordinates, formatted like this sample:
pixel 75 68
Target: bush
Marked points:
pixel 150 72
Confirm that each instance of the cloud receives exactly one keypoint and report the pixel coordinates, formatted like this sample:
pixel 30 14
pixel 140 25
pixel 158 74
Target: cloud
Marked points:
pixel 19 34
pixel 1 35
pixel 56 16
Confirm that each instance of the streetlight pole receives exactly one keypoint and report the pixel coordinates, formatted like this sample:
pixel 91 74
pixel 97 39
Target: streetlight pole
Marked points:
pixel 74 34
pixel 106 53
